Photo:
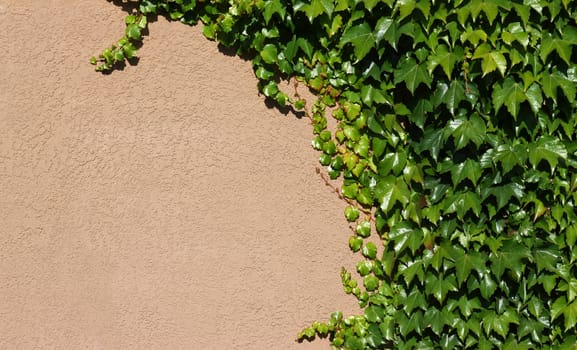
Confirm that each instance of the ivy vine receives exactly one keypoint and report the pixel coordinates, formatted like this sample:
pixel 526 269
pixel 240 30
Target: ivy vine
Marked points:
pixel 456 143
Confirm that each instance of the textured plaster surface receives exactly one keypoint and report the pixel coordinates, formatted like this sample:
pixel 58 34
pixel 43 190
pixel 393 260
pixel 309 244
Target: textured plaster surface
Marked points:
pixel 159 207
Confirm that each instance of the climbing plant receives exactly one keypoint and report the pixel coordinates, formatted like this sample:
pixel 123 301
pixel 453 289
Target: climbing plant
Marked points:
pixel 456 143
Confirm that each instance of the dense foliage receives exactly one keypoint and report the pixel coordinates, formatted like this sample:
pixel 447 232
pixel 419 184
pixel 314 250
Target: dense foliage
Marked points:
pixel 456 141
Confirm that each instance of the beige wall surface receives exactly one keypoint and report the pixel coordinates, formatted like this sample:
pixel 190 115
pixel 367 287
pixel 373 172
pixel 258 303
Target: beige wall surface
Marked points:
pixel 160 207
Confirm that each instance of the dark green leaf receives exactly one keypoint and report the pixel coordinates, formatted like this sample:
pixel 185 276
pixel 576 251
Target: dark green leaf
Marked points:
pixel 561 45
pixel 440 286
pixel 490 59
pixel 404 235
pixel 552 81
pixel 431 141
pixel 469 169
pixel 504 193
pixel 466 262
pixel 361 37
pixel 412 74
pixel 391 190
pixel 445 58
pixel 547 148
pixel 511 94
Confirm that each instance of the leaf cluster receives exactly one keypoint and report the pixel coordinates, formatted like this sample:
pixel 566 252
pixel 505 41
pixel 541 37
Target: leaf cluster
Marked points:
pixel 126 47
pixel 456 130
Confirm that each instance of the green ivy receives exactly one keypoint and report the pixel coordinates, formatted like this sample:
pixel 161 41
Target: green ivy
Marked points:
pixel 456 143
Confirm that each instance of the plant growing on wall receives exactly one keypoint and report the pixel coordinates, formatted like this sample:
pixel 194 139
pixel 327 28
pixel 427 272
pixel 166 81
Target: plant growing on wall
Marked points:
pixel 456 142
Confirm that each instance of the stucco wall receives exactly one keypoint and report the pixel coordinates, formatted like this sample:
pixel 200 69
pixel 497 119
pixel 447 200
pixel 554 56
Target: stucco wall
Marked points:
pixel 160 207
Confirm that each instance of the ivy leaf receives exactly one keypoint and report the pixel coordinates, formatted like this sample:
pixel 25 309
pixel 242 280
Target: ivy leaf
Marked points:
pixel 451 95
pixel 547 148
pixel 490 8
pixel 562 45
pixel 474 36
pixel 404 235
pixel 374 336
pixel 364 267
pixel 510 156
pixel 437 319
pixel 390 190
pixel 355 243
pixel 414 300
pixel 465 262
pixel 419 114
pixel 445 58
pixel 570 315
pixel 371 282
pixel 509 93
pixel 464 130
pixel 370 95
pixel 510 256
pixel 306 47
pixel 394 162
pixel 487 286
pixel 133 31
pixel 335 26
pixel 361 37
pixel 461 203
pixel 515 32
pixel 431 141
pixel 469 169
pixel 551 81
pixel 558 307
pixel 405 8
pixel 364 229
pixel 534 97
pixel 504 193
pixel 388 28
pixel 272 7
pixel 536 5
pixel 490 59
pixel 412 74
pixel 411 269
pixel 571 235
pixel 270 89
pixel 441 252
pixel 440 286
pixel 502 322
pixel 468 305
pixel 318 7
pixel 547 258
pixel 370 250
pixel 269 53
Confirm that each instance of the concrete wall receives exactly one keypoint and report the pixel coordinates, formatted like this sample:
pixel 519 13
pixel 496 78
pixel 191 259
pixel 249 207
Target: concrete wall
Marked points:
pixel 160 207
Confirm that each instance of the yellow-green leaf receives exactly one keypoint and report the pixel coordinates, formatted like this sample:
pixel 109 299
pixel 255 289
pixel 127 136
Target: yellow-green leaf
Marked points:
pixel 490 59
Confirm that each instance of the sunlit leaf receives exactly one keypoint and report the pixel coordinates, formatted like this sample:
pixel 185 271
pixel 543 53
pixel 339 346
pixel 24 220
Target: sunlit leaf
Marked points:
pixel 445 58
pixel 490 59
pixel 361 37
pixel 391 190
